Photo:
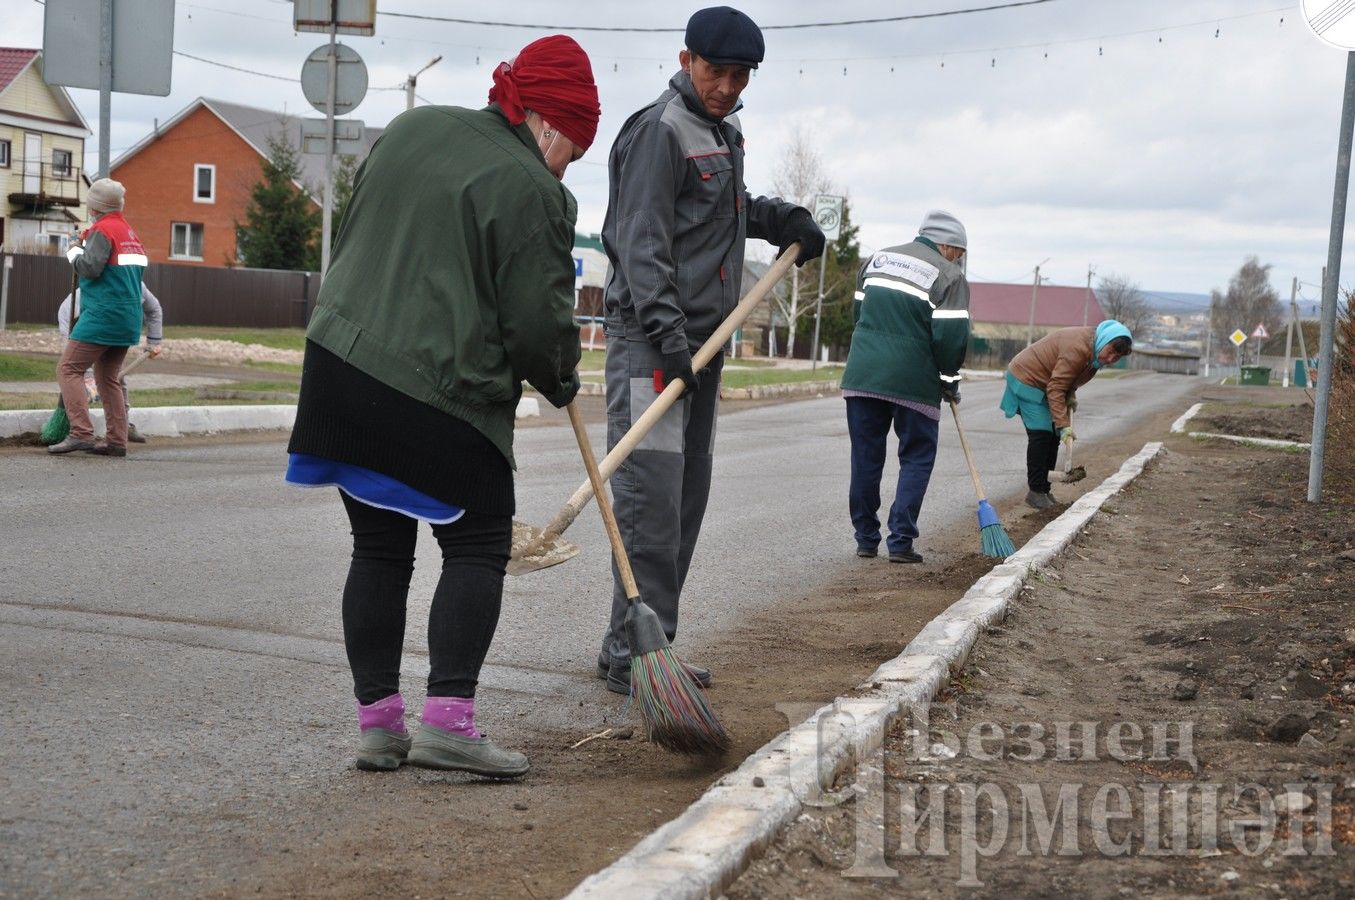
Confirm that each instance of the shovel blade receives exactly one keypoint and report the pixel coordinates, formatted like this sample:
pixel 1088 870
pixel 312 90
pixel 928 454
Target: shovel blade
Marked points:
pixel 530 554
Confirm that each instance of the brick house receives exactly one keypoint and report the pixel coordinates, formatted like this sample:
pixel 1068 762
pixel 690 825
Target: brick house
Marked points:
pixel 42 157
pixel 188 182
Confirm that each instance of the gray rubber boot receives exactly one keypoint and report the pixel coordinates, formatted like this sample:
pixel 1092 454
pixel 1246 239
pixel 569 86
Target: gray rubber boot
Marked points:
pixel 434 748
pixel 380 750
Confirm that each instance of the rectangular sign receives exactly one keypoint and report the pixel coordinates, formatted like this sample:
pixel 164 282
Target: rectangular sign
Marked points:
pixel 348 134
pixel 143 45
pixel 828 214
pixel 354 16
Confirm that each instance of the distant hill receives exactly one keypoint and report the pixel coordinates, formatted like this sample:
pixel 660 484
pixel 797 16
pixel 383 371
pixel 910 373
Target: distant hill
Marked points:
pixel 1180 303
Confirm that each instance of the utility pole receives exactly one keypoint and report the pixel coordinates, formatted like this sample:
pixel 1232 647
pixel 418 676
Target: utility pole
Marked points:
pixel 105 85
pixel 1034 293
pixel 413 80
pixel 1087 300
pixel 1209 340
pixel 1289 332
pixel 1326 342
pixel 328 206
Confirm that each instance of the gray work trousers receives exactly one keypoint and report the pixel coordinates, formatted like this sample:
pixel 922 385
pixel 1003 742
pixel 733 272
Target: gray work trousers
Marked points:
pixel 660 492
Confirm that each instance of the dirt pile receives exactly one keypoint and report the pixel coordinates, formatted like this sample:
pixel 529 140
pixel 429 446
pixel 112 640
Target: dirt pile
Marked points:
pixel 1181 685
pixel 197 350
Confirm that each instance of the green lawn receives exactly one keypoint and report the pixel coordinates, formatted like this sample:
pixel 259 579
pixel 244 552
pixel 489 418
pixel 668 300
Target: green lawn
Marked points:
pixel 25 368
pixel 750 378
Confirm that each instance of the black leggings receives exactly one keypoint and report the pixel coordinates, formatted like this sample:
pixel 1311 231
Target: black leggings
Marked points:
pixel 1042 455
pixel 465 610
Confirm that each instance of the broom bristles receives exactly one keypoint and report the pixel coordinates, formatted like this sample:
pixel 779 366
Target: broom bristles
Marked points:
pixel 673 705
pixel 57 426
pixel 995 541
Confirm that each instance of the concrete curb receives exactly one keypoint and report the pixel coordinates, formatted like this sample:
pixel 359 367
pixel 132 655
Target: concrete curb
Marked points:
pixel 177 421
pixel 1180 424
pixel 1256 441
pixel 705 849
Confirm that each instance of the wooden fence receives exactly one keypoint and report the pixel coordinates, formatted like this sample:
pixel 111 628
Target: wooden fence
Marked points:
pixel 191 295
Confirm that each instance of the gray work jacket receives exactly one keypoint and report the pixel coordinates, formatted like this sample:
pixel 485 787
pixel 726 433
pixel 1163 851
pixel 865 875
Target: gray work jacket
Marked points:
pixel 677 217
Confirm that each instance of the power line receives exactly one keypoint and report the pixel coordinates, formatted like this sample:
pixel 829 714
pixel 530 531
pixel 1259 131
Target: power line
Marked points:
pixel 212 62
pixel 634 30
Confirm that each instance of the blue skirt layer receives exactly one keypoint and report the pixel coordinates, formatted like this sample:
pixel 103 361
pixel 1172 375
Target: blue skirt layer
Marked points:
pixel 372 488
pixel 1029 402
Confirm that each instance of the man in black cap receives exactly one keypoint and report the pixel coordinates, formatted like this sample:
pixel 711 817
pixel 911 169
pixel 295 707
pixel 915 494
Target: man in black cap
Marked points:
pixel 677 217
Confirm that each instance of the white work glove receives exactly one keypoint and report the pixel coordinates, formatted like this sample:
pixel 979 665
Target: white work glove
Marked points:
pixel 74 252
pixel 1066 434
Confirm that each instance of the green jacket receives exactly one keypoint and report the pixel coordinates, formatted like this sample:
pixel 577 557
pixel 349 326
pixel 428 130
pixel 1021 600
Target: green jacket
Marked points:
pixel 912 324
pixel 452 278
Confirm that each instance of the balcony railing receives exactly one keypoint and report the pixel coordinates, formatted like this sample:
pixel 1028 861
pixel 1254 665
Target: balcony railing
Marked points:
pixel 38 183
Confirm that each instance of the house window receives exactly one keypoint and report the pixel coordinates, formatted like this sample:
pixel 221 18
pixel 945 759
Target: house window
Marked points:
pixel 4 154
pixel 185 240
pixel 61 163
pixel 204 183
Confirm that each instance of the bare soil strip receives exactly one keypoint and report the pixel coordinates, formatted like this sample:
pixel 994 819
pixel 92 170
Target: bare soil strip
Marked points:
pixel 1201 638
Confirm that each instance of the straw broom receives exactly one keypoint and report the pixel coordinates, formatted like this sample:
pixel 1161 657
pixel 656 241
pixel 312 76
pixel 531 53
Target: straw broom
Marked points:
pixel 673 706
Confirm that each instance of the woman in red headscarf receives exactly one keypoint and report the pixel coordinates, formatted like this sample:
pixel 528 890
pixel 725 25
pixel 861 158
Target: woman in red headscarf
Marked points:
pixel 451 283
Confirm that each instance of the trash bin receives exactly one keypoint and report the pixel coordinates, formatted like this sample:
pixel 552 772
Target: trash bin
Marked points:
pixel 1259 375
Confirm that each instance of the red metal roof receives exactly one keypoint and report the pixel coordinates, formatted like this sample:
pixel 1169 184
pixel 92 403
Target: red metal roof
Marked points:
pixel 13 60
pixel 992 302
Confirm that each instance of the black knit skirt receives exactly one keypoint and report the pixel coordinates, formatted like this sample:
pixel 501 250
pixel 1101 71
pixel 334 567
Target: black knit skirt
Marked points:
pixel 346 415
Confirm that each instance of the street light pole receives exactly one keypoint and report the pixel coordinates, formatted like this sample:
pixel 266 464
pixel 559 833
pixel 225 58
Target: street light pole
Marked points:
pixel 1034 293
pixel 413 80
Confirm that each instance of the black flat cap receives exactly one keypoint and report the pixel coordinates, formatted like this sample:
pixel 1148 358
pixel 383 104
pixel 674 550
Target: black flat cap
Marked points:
pixel 723 35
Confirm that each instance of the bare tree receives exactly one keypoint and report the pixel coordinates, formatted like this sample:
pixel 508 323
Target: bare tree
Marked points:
pixel 1121 299
pixel 1250 300
pixel 799 176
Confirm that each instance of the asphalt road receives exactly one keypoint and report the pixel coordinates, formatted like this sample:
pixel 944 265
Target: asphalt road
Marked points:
pixel 165 615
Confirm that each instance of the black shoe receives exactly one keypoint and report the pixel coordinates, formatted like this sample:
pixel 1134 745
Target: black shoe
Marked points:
pixel 904 556
pixel 618 676
pixel 867 552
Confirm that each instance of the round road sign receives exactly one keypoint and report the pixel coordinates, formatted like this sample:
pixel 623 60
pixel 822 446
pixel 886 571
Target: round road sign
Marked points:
pixel 350 81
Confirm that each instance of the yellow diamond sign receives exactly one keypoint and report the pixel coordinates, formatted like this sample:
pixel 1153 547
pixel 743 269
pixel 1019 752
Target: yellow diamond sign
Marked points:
pixel 1237 337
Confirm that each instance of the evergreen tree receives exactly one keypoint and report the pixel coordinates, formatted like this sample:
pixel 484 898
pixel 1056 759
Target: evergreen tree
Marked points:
pixel 282 227
pixel 345 171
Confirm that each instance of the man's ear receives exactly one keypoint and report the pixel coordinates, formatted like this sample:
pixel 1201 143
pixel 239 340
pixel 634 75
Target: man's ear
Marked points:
pixel 685 60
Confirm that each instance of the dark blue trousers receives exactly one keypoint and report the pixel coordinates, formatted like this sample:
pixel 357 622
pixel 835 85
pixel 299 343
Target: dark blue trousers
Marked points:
pixel 868 424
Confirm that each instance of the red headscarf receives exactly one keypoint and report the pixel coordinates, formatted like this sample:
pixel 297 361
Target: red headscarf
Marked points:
pixel 553 77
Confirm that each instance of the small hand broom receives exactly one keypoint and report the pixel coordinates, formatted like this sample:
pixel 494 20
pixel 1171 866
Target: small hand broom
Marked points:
pixel 673 706
pixel 992 535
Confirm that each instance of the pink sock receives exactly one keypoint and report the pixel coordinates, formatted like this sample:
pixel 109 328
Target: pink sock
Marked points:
pixel 454 714
pixel 387 713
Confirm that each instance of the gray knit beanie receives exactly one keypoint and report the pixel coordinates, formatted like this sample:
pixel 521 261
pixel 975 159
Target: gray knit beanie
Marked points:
pixel 940 227
pixel 106 195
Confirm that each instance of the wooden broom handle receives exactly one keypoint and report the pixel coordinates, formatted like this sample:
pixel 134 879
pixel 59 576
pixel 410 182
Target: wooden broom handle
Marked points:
pixel 968 457
pixel 665 400
pixel 604 503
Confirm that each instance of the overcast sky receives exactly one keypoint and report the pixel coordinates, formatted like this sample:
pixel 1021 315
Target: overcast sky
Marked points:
pixel 1163 140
